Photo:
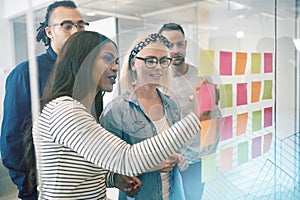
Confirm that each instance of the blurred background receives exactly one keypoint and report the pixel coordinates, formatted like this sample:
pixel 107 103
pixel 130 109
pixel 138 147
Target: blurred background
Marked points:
pixel 249 26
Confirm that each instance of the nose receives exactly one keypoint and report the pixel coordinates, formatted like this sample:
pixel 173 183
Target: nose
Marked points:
pixel 75 29
pixel 114 67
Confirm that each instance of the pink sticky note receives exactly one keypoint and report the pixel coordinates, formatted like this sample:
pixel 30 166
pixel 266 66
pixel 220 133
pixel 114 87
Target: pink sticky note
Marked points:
pixel 267 142
pixel 256 147
pixel 225 63
pixel 226 128
pixel 268 117
pixel 241 94
pixel 268 59
pixel 225 159
pixel 207 97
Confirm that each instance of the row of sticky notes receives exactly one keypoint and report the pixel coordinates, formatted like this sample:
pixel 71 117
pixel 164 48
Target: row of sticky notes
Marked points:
pixel 207 63
pixel 257 146
pixel 224 126
pixel 226 93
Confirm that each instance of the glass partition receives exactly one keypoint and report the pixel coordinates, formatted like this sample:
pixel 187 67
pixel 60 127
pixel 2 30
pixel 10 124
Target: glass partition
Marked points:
pixel 247 48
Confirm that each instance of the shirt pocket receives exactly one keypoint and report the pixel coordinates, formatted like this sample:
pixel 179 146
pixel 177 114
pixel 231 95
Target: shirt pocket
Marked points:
pixel 137 131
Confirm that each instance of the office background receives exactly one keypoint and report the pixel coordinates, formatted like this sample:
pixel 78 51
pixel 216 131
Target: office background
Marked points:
pixel 219 27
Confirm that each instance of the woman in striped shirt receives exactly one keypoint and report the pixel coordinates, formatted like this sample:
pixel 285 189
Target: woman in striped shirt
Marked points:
pixel 73 152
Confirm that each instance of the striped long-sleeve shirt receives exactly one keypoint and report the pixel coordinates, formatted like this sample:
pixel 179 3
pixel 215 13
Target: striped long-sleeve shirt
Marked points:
pixel 72 150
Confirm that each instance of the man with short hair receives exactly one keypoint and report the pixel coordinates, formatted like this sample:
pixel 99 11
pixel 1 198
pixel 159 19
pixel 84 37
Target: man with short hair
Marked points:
pixel 185 78
pixel 62 20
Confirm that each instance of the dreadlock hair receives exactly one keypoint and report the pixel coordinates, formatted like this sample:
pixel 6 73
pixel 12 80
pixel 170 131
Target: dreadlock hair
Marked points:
pixel 41 35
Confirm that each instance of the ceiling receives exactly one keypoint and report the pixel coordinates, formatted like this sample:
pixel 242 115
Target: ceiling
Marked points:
pixel 184 11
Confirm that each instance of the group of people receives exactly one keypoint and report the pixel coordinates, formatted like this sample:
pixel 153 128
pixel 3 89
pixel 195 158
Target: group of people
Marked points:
pixel 146 142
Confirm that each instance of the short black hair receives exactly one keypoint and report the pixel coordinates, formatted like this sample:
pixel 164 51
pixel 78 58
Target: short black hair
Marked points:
pixel 170 27
pixel 41 35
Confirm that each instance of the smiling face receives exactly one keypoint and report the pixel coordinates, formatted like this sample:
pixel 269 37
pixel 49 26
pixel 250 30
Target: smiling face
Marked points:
pixel 150 76
pixel 106 67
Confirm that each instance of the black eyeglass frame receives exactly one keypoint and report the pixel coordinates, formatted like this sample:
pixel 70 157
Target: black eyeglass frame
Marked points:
pixel 80 25
pixel 156 62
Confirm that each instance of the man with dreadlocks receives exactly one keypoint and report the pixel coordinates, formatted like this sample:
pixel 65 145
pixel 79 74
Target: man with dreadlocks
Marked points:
pixel 62 20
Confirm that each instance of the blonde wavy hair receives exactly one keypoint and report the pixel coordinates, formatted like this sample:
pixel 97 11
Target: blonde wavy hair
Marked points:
pixel 128 77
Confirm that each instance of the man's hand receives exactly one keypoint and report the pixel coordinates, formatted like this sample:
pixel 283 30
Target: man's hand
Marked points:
pixel 130 185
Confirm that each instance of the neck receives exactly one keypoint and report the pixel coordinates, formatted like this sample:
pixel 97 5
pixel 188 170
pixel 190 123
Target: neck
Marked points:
pixel 146 92
pixel 87 101
pixel 180 70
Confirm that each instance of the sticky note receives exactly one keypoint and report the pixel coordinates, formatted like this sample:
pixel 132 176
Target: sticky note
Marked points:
pixel 256 120
pixel 267 89
pixel 208 132
pixel 226 128
pixel 255 91
pixel 206 63
pixel 241 123
pixel 240 63
pixel 225 159
pixel 256 147
pixel 268 112
pixel 241 94
pixel 242 150
pixel 225 63
pixel 267 142
pixel 207 97
pixel 208 167
pixel 255 63
pixel 268 63
pixel 225 95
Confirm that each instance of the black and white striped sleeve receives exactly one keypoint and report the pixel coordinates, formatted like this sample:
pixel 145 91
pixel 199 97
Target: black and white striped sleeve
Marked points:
pixel 72 126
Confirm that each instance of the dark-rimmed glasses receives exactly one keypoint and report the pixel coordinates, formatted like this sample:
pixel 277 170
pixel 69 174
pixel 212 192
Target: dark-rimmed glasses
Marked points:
pixel 152 61
pixel 68 25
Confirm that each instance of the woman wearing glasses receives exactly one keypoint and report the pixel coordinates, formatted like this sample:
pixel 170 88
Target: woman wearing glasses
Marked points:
pixel 143 111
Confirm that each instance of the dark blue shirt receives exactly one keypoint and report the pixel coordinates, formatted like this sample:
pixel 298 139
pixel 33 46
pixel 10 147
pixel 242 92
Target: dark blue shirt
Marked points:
pixel 17 108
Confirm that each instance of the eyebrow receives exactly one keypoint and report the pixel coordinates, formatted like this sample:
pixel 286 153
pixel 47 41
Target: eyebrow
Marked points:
pixel 69 21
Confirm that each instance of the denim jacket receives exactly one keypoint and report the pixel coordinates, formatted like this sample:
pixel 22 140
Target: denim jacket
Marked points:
pixel 126 118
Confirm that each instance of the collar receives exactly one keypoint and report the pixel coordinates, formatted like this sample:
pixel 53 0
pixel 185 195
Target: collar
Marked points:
pixel 51 54
pixel 131 97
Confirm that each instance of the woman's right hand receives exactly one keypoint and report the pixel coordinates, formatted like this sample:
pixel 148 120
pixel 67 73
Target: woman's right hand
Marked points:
pixel 202 116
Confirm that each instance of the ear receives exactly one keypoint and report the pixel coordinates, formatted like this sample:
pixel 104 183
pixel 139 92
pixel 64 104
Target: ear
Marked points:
pixel 48 32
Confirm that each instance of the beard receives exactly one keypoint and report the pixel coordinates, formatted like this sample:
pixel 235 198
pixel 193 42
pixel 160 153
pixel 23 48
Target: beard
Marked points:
pixel 178 61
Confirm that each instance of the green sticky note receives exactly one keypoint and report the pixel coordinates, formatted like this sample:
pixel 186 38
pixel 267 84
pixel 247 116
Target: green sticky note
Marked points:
pixel 255 63
pixel 206 63
pixel 208 167
pixel 256 120
pixel 225 95
pixel 242 153
pixel 268 84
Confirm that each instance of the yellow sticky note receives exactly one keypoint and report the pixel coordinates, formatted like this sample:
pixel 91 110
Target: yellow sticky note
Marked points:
pixel 255 63
pixel 206 63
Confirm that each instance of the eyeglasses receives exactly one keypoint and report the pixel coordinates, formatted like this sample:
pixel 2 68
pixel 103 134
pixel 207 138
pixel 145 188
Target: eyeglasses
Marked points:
pixel 152 62
pixel 69 25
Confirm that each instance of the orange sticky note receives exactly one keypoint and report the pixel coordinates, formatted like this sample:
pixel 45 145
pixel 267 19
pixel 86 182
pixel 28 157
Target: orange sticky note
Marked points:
pixel 240 63
pixel 241 123
pixel 255 91
pixel 208 132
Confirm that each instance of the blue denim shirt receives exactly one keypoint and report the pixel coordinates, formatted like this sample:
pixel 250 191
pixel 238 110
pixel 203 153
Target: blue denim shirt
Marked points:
pixel 126 118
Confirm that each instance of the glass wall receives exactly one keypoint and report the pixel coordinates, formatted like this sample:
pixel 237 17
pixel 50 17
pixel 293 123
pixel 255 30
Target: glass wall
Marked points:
pixel 248 49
